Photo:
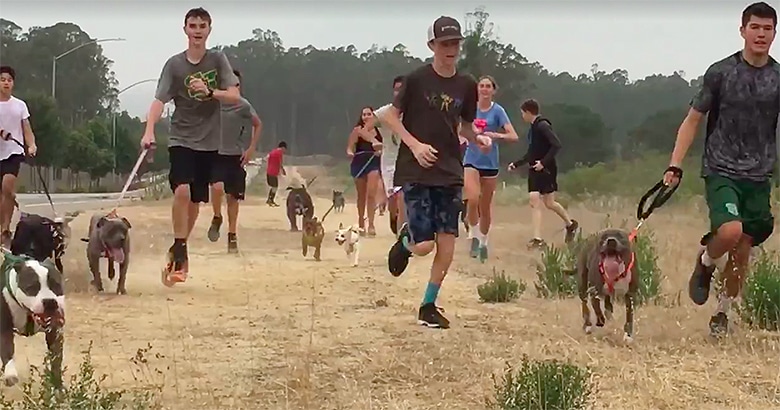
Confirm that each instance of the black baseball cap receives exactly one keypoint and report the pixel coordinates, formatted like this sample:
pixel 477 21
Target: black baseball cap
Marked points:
pixel 444 28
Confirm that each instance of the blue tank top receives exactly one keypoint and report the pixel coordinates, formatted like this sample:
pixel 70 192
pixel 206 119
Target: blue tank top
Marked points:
pixel 496 118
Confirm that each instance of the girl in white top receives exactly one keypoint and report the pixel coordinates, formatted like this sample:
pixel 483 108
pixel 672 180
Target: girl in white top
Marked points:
pixel 390 144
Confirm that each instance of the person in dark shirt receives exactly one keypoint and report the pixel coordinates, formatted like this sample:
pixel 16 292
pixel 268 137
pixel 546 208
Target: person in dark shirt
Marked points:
pixel 543 145
pixel 741 96
pixel 434 100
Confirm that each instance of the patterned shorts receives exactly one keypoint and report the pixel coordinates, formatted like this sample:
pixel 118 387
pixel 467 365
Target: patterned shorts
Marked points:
pixel 431 210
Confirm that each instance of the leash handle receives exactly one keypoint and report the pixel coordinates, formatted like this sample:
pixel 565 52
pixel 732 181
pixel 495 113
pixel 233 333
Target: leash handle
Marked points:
pixel 660 193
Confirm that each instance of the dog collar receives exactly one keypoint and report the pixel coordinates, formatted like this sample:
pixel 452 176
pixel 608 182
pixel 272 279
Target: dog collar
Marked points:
pixel 610 283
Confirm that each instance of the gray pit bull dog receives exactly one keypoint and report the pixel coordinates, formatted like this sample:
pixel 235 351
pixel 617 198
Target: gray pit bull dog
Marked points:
pixel 606 270
pixel 32 302
pixel 109 237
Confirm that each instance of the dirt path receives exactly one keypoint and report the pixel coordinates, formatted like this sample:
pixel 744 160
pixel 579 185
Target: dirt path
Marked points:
pixel 270 329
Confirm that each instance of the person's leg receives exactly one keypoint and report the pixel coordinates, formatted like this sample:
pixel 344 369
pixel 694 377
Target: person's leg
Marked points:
pixel 723 199
pixel 471 192
pixel 361 189
pixel 273 185
pixel 381 195
pixel 217 193
pixel 373 181
pixel 487 190
pixel 235 187
pixel 548 197
pixel 399 203
pixel 9 170
pixel 445 203
pixel 417 235
pixel 180 177
pixel 535 201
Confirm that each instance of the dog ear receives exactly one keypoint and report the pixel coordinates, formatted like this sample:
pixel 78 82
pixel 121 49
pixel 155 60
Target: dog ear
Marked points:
pixel 126 222
pixel 289 188
pixel 341 226
pixel 101 221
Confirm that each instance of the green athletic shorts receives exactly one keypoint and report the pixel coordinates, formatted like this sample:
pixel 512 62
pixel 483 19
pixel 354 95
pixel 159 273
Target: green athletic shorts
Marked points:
pixel 740 200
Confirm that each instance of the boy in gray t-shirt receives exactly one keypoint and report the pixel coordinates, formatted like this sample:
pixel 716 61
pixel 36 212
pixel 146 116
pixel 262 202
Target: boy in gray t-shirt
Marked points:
pixel 197 80
pixel 229 176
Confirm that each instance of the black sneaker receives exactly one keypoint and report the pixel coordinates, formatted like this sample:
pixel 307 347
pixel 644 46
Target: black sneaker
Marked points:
pixel 232 243
pixel 699 283
pixel 216 223
pixel 398 257
pixel 394 224
pixel 536 243
pixel 719 325
pixel 571 231
pixel 430 316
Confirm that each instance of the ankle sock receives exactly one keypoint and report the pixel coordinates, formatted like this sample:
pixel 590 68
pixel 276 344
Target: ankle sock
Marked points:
pixel 431 293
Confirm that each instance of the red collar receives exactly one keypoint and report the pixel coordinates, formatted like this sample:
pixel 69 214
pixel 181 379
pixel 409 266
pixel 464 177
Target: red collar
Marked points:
pixel 611 284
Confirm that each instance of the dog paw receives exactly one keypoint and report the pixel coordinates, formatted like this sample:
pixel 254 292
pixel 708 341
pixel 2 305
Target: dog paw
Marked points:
pixel 10 375
pixel 588 329
pixel 121 291
pixel 627 339
pixel 600 323
pixel 608 315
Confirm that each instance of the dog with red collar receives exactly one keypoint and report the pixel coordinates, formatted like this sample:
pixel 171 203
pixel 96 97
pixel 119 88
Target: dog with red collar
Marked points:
pixel 606 270
pixel 109 238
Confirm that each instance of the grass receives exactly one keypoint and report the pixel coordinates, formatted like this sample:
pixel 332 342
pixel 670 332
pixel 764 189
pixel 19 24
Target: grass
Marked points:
pixel 500 288
pixel 760 305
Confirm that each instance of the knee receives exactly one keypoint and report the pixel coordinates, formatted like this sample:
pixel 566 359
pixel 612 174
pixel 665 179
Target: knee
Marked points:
pixel 730 233
pixel 535 200
pixel 9 187
pixel 182 193
pixel 549 202
pixel 218 188
pixel 424 248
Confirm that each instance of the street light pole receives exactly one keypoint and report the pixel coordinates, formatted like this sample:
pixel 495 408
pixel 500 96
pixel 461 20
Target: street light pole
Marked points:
pixel 113 121
pixel 54 61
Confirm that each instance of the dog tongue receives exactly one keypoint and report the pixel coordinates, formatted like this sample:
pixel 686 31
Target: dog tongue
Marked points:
pixel 117 254
pixel 613 267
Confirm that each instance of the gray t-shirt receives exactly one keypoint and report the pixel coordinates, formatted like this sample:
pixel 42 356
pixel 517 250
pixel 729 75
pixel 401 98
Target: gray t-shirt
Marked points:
pixel 236 127
pixel 742 103
pixel 195 123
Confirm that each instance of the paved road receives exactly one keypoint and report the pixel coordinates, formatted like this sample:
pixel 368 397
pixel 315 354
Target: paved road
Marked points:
pixel 37 203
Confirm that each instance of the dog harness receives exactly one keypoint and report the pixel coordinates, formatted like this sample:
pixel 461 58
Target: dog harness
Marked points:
pixel 30 322
pixel 611 283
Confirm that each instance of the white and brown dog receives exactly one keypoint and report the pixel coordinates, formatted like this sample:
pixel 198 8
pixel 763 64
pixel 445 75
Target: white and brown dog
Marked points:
pixel 349 238
pixel 32 302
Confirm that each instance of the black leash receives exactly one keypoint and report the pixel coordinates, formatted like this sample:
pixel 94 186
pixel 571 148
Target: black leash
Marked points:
pixel 660 194
pixel 8 137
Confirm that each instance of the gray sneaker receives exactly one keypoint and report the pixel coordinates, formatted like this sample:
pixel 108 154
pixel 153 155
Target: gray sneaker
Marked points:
pixel 483 253
pixel 474 250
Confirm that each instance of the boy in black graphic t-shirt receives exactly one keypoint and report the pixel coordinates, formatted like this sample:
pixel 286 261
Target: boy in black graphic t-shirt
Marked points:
pixel 434 100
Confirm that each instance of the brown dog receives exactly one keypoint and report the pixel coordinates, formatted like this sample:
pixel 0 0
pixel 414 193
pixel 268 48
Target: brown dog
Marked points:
pixel 606 269
pixel 312 236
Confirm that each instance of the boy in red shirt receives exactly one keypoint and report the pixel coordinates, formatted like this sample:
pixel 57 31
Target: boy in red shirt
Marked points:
pixel 273 169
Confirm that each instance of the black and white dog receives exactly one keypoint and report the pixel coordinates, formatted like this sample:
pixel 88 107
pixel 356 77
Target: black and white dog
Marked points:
pixel 40 237
pixel 32 302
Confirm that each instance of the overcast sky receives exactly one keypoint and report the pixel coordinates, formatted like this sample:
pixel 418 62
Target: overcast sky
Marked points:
pixel 644 37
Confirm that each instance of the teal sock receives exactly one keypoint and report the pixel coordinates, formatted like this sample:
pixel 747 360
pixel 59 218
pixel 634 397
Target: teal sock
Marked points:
pixel 431 292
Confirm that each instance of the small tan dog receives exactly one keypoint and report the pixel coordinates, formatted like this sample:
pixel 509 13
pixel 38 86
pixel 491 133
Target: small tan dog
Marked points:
pixel 349 238
pixel 312 236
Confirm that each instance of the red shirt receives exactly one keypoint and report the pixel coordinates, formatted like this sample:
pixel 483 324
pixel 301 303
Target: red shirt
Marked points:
pixel 274 162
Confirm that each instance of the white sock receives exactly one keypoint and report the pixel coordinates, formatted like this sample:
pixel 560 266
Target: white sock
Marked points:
pixel 483 239
pixel 720 263
pixel 473 231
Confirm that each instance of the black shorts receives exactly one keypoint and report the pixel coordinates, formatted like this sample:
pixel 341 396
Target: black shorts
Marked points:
pixel 483 173
pixel 272 180
pixel 544 181
pixel 11 165
pixel 228 170
pixel 193 168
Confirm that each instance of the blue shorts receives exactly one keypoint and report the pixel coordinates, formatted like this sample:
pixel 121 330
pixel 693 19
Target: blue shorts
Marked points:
pixel 431 210
pixel 363 165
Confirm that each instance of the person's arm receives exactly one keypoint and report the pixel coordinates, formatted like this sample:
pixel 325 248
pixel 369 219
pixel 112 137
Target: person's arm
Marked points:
pixel 28 135
pixel 509 133
pixel 162 95
pixel 469 112
pixel 701 104
pixel 228 89
pixel 545 131
pixel 352 141
pixel 523 160
pixel 257 127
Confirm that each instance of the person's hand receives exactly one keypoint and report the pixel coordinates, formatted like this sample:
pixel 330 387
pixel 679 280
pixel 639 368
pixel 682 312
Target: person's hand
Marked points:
pixel 484 143
pixel 377 146
pixel 199 86
pixel 511 167
pixel 494 135
pixel 32 149
pixel 424 154
pixel 247 155
pixel 147 141
pixel 537 166
pixel 350 154
pixel 672 176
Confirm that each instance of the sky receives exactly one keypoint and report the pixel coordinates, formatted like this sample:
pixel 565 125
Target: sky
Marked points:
pixel 643 37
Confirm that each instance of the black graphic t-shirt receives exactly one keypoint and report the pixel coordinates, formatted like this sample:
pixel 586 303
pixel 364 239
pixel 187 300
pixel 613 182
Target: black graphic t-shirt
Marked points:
pixel 432 108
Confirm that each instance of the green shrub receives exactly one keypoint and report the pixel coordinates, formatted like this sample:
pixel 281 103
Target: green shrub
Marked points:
pixel 500 288
pixel 553 277
pixel 542 385
pixel 84 391
pixel 646 262
pixel 761 295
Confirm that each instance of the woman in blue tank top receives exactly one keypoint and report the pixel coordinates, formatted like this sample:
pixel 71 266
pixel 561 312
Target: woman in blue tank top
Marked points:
pixel 480 170
pixel 364 168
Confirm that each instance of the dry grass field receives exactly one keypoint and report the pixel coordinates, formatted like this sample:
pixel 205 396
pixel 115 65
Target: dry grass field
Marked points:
pixel 270 329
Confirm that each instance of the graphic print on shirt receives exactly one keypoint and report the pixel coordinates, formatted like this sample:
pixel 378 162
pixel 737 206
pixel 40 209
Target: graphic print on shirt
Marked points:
pixel 209 77
pixel 443 101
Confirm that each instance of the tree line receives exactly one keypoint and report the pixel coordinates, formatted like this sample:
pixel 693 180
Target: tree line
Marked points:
pixel 312 97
